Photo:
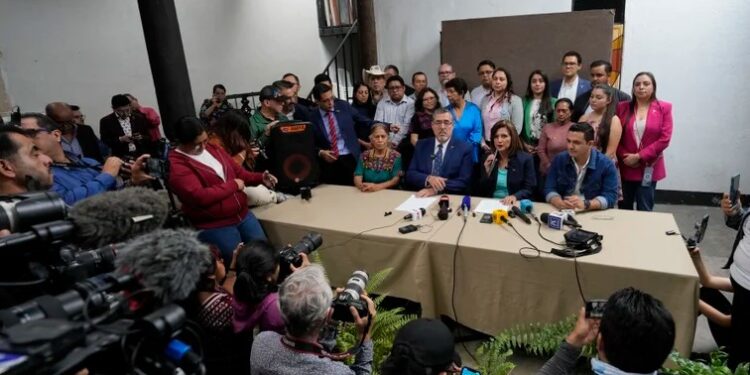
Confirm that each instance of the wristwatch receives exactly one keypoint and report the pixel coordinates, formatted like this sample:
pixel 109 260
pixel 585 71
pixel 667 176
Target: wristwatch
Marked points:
pixel 586 204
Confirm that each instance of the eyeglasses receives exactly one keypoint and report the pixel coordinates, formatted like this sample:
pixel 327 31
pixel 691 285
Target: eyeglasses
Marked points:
pixel 35 132
pixel 442 124
pixel 445 72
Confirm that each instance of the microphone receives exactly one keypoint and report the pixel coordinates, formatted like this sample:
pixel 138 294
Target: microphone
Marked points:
pixel 118 216
pixel 500 216
pixel 170 262
pixel 444 204
pixel 526 205
pixel 520 214
pixel 106 218
pixel 465 206
pixel 416 215
pixel 556 220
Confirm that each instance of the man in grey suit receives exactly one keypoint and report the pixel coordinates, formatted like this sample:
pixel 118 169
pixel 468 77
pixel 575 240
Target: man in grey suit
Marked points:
pixel 600 71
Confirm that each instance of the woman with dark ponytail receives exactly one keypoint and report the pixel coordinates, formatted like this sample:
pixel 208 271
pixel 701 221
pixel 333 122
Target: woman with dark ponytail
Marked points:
pixel 256 299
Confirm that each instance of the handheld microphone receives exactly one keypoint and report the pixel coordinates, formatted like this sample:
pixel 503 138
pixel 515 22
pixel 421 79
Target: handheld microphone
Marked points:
pixel 416 215
pixel 526 205
pixel 444 204
pixel 465 206
pixel 170 262
pixel 556 220
pixel 520 214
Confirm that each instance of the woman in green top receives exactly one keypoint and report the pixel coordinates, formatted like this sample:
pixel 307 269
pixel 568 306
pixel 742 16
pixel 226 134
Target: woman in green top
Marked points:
pixel 538 109
pixel 379 167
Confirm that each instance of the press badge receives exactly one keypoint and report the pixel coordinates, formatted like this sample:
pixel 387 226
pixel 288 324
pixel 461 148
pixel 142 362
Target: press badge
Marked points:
pixel 648 175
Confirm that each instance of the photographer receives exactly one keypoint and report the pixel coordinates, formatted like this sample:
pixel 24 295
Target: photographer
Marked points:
pixel 78 178
pixel 713 304
pixel 634 336
pixel 739 272
pixel 256 298
pixel 305 299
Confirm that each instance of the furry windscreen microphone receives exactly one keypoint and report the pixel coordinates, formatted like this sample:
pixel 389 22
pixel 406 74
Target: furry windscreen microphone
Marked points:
pixel 118 216
pixel 169 262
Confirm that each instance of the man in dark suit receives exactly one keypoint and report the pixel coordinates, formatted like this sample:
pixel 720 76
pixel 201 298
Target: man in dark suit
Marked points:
pixel 440 164
pixel 126 133
pixel 571 85
pixel 291 108
pixel 77 139
pixel 600 71
pixel 335 138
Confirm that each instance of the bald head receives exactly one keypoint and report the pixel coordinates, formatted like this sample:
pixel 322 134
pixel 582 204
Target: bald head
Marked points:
pixel 446 73
pixel 62 114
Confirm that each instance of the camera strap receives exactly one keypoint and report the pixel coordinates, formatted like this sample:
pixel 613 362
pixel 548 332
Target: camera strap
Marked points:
pixel 317 349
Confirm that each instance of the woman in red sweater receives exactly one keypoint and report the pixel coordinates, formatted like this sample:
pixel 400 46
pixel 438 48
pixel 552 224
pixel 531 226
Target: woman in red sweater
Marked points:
pixel 209 184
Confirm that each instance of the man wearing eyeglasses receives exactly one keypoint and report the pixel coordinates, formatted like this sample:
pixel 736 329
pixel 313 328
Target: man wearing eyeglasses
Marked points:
pixel 124 132
pixel 571 85
pixel 290 107
pixel 484 71
pixel 396 109
pixel 441 165
pixel 78 178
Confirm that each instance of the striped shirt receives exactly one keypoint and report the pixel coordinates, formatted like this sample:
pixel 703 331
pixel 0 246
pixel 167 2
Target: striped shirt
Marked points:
pixel 400 113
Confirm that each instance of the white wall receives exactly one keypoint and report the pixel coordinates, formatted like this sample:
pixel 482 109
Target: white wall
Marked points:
pixel 699 54
pixel 408 32
pixel 700 57
pixel 84 51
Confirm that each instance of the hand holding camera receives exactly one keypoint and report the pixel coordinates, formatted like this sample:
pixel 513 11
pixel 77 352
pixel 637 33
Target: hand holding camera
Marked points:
pixel 112 166
pixel 585 330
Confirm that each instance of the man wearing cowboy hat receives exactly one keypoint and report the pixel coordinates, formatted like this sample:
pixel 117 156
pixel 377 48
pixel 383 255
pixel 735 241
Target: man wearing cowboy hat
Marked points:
pixel 375 78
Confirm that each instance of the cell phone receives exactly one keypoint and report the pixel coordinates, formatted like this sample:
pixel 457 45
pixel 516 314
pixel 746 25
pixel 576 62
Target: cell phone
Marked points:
pixel 486 219
pixel 408 229
pixel 734 189
pixel 469 371
pixel 595 308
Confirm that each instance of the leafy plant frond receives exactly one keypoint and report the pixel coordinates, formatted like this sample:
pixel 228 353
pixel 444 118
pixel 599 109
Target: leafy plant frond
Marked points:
pixel 716 366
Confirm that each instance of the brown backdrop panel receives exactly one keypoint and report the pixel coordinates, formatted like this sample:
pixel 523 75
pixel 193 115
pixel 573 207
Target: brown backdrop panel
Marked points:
pixel 522 44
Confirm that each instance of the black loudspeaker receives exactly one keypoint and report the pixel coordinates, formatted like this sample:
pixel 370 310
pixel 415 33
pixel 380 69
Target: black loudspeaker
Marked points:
pixel 291 150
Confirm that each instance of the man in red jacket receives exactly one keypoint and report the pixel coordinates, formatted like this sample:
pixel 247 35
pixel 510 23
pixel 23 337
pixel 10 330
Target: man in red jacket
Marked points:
pixel 210 186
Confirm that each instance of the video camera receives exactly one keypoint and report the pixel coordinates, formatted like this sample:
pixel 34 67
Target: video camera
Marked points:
pixel 19 212
pixel 96 324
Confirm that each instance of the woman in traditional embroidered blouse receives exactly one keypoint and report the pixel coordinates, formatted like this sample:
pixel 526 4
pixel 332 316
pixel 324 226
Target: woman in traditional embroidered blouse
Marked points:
pixel 380 167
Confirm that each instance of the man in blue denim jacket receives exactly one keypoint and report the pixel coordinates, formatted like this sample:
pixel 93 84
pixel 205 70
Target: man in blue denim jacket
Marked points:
pixel 583 178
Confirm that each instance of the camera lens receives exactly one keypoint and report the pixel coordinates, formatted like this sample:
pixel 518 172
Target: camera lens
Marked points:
pixel 355 286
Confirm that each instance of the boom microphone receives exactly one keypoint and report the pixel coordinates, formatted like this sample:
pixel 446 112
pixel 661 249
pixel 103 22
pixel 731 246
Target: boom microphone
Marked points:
pixel 520 214
pixel 444 204
pixel 170 262
pixel 118 216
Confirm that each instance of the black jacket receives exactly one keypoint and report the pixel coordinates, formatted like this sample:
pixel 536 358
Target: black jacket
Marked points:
pixel 89 142
pixel 111 131
pixel 521 177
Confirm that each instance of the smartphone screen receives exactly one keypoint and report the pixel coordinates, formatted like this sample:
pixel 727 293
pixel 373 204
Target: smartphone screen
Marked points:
pixel 734 188
pixel 469 371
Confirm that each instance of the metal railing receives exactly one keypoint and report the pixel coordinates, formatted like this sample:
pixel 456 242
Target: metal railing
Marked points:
pixel 344 56
pixel 247 102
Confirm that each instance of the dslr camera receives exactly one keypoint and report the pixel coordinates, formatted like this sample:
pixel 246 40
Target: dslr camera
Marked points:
pixel 355 286
pixel 290 254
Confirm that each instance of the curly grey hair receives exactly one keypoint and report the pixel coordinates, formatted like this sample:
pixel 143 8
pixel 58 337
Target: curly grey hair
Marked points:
pixel 304 299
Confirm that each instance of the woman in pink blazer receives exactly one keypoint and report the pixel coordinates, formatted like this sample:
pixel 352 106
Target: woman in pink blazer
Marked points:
pixel 647 130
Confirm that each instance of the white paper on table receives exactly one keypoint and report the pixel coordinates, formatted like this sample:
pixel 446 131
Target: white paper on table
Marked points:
pixel 486 206
pixel 414 204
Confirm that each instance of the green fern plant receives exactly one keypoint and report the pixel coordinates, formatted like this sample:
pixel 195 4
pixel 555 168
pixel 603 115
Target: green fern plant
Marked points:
pixel 492 358
pixel 387 323
pixel 716 366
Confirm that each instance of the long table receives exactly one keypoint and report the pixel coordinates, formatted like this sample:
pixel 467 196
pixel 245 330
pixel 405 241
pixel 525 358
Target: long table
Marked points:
pixel 495 287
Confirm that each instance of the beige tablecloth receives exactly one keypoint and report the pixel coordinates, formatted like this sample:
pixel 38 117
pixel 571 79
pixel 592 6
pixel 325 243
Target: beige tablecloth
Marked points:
pixel 496 287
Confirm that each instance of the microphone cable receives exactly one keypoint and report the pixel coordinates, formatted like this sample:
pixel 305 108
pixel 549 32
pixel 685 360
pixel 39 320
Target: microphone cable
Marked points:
pixel 453 289
pixel 359 234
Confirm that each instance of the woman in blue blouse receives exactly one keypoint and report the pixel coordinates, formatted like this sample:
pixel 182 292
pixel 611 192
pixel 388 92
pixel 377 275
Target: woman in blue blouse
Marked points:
pixel 508 172
pixel 379 167
pixel 467 118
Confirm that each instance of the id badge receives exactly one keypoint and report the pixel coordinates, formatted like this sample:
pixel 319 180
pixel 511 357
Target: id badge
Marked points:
pixel 648 175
